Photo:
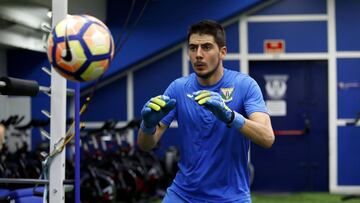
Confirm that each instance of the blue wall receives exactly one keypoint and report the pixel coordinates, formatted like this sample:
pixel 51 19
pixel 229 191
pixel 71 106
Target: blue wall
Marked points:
pixel 108 103
pixel 348 164
pixel 348 72
pixel 298 36
pixel 165 24
pixel 347 21
pixel 151 81
pixel 295 7
pixel 232 38
pixel 347 31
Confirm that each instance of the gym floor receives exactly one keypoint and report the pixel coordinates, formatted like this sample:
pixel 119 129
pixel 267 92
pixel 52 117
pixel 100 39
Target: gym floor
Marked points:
pixel 298 198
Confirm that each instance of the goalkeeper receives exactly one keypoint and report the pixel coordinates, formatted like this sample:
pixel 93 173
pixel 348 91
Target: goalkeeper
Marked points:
pixel 218 112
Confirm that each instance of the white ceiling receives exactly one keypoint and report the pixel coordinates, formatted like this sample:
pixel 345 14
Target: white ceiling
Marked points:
pixel 22 21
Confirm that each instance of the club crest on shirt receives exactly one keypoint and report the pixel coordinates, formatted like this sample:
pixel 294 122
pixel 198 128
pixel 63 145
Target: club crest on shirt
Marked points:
pixel 227 93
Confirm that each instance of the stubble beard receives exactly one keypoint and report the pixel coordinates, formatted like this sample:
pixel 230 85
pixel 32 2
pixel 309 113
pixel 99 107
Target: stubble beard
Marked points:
pixel 209 74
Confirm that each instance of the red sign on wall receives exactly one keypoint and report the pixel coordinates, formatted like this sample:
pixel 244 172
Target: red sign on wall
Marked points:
pixel 274 46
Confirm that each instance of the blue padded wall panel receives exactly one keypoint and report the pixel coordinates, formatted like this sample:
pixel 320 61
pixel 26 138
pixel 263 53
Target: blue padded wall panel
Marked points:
pixel 164 24
pixel 232 38
pixel 348 71
pixel 232 65
pixel 347 25
pixel 348 155
pixel 108 102
pixel 153 79
pixel 298 36
pixel 295 7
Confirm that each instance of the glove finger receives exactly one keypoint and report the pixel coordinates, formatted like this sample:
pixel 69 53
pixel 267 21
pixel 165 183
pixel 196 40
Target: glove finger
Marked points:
pixel 215 94
pixel 216 97
pixel 197 92
pixel 163 97
pixel 203 95
pixel 226 107
pixel 170 105
pixel 204 100
pixel 154 106
pixel 146 111
pixel 209 98
pixel 158 101
pixel 216 102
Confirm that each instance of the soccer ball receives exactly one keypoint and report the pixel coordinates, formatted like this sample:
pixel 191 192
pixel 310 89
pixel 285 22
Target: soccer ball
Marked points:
pixel 80 48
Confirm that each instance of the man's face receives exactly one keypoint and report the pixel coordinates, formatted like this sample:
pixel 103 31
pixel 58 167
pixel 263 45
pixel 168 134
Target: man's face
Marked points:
pixel 205 55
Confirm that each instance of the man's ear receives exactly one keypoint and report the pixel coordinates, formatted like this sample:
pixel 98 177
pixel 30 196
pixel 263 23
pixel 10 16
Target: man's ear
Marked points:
pixel 223 52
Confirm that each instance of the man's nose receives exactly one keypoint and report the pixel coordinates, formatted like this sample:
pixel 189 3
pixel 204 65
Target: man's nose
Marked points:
pixel 199 53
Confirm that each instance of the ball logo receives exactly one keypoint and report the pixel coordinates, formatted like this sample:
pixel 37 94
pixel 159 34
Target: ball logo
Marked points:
pixel 276 86
pixel 80 48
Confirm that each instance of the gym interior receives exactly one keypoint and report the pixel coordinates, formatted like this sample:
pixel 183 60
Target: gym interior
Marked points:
pixel 303 54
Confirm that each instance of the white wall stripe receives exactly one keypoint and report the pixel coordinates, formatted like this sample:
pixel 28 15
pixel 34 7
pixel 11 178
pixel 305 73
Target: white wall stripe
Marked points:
pixel 174 124
pixel 130 104
pixel 345 121
pixel 259 7
pixel 348 54
pixel 244 62
pixel 232 56
pixel 287 18
pixel 332 83
pixel 185 61
pixel 243 40
pixel 288 56
pixel 293 56
pixel 349 190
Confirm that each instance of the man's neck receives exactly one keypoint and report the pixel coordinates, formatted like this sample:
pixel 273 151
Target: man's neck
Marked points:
pixel 213 79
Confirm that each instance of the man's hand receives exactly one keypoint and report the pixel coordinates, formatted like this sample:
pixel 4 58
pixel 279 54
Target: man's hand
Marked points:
pixel 154 110
pixel 214 102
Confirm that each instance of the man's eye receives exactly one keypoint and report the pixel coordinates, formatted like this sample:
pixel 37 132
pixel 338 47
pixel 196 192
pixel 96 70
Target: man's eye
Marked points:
pixel 192 48
pixel 206 47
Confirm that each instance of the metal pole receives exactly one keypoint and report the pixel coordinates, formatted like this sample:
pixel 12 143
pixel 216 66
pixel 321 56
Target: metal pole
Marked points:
pixel 42 89
pixel 30 181
pixel 77 143
pixel 48 90
pixel 58 117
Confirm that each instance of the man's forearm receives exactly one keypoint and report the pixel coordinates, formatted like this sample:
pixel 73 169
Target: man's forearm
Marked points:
pixel 146 141
pixel 258 133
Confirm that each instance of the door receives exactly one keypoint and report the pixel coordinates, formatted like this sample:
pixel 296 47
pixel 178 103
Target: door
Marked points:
pixel 296 93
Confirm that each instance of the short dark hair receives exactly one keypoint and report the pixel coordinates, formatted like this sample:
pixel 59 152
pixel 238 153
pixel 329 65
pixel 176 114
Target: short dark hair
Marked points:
pixel 209 27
